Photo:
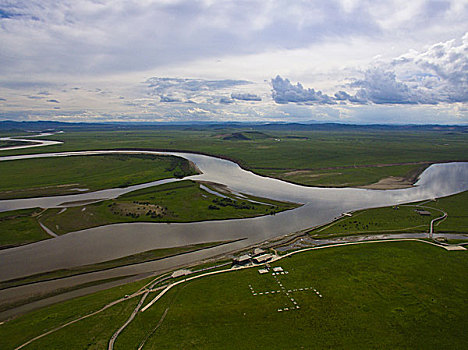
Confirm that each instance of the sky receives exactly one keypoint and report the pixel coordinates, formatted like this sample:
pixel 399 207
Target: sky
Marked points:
pixel 348 61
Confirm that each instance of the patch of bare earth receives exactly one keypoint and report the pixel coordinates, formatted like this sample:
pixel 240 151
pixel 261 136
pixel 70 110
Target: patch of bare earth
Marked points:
pixel 390 183
pixel 307 173
pixel 217 187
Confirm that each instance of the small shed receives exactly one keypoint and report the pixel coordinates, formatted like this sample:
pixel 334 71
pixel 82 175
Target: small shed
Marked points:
pixel 278 269
pixel 262 271
pixel 258 251
pixel 241 260
pixel 261 259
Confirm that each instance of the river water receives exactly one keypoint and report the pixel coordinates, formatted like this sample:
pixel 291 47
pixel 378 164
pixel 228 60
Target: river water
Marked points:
pixel 321 205
pixel 33 143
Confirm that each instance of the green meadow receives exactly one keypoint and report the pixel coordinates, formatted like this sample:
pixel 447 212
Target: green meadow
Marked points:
pixel 63 175
pixel 327 158
pixel 20 227
pixel 182 201
pixel 455 207
pixel 21 329
pixel 385 295
pixel 402 218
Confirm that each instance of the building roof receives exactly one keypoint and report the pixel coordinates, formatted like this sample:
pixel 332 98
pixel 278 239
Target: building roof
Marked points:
pixel 263 257
pixel 242 258
pixel 258 251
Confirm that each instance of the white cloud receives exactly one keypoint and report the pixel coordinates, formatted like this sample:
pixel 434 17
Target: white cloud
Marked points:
pixel 284 92
pixel 436 75
pixel 441 71
pixel 230 49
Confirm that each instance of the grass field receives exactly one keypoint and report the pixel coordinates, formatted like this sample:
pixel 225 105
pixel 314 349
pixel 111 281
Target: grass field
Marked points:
pixel 278 153
pixel 346 177
pixel 404 219
pixel 20 227
pixel 392 295
pixel 379 295
pixel 54 176
pixel 182 201
pixel 457 220
pixel 9 143
pixel 19 330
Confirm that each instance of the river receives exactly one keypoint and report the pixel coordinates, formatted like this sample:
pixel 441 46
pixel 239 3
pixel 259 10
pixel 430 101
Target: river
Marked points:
pixel 321 205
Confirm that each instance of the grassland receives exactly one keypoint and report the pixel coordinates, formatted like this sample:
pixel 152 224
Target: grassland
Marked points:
pixel 11 143
pixel 54 176
pixel 378 220
pixel 20 227
pixel 402 218
pixel 23 328
pixel 457 219
pixel 182 201
pixel 380 295
pixel 351 176
pixel 329 158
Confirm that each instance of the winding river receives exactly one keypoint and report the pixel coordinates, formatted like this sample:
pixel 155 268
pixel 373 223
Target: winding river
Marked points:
pixel 321 205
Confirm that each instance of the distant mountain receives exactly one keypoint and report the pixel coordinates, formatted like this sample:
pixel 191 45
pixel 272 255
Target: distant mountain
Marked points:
pixel 249 130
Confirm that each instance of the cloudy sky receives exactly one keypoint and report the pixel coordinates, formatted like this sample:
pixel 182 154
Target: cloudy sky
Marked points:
pixel 353 61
